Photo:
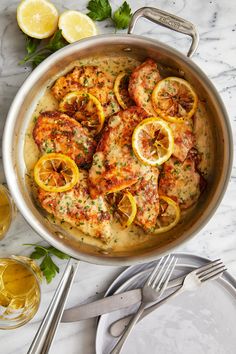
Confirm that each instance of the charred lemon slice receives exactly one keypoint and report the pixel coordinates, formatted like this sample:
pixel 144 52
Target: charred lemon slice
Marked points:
pixel 121 90
pixel 56 173
pixel 169 215
pixel 174 99
pixel 85 108
pixel 153 141
pixel 128 207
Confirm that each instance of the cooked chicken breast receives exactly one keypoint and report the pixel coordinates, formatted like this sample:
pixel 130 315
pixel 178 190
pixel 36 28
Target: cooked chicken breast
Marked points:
pixel 203 139
pixel 88 79
pixel 145 192
pixel 141 84
pixel 56 132
pixel 183 138
pixel 181 181
pixel 75 206
pixel 114 165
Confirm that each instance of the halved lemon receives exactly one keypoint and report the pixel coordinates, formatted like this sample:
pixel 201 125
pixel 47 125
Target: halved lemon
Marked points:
pixel 153 141
pixel 56 173
pixel 37 18
pixel 169 215
pixel 76 26
pixel 85 108
pixel 128 207
pixel 174 99
pixel 121 90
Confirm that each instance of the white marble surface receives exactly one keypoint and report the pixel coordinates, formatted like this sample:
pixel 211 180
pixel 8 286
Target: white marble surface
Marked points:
pixel 216 56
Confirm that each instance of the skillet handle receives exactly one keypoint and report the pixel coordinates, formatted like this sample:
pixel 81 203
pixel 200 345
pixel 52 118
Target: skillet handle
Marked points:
pixel 165 19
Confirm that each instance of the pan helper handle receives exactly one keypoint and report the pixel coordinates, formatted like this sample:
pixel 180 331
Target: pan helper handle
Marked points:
pixel 165 19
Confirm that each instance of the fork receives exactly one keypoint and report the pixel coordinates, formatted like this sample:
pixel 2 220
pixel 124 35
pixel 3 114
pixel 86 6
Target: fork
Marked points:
pixel 151 291
pixel 192 281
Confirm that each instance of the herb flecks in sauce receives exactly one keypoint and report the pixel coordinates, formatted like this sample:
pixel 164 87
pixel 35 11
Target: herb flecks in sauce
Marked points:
pixel 122 239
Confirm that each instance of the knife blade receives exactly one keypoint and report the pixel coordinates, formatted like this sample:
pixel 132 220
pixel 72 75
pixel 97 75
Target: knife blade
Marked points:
pixel 109 304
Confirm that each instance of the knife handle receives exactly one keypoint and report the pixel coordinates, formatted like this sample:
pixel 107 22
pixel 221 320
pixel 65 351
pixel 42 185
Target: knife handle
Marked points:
pixel 44 337
pixel 117 328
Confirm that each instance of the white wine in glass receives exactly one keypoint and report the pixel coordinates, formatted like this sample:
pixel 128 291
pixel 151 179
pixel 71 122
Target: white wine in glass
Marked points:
pixel 7 210
pixel 19 291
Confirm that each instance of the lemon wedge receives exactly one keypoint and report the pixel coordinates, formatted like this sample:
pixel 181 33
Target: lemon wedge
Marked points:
pixel 153 141
pixel 76 26
pixel 128 207
pixel 121 90
pixel 56 173
pixel 37 18
pixel 85 108
pixel 169 215
pixel 174 99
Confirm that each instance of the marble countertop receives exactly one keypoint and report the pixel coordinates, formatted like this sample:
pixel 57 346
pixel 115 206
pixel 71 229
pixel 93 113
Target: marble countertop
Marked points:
pixel 216 56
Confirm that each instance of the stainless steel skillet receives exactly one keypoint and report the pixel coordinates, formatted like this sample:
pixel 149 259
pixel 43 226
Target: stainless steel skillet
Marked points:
pixel 115 45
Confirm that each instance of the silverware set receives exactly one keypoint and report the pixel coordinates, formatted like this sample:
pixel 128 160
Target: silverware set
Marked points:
pixel 150 297
pixel 191 281
pixel 154 288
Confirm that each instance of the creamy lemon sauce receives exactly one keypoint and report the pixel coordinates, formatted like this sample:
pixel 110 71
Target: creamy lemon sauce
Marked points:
pixel 122 239
pixel 203 139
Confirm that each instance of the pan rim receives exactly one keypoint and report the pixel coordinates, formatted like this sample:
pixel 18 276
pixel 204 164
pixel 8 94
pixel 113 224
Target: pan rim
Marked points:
pixel 8 140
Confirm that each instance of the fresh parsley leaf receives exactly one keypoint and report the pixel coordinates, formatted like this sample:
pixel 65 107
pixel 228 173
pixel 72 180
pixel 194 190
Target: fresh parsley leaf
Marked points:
pixel 56 42
pixel 35 61
pixel 35 57
pixel 31 44
pixel 58 253
pixel 99 10
pixel 122 16
pixel 49 268
pixel 38 253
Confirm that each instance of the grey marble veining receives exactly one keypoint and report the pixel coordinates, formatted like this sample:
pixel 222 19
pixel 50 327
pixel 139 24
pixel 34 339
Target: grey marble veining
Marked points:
pixel 216 56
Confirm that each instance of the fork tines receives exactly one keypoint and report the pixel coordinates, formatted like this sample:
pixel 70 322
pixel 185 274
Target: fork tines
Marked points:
pixel 211 270
pixel 162 275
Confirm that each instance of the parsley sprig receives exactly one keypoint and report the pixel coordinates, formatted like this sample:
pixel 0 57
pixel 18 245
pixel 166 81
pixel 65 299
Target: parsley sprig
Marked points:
pixel 122 16
pixel 47 266
pixel 36 55
pixel 100 10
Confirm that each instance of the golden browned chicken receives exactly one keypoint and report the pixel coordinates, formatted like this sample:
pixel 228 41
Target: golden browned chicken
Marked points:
pixel 114 165
pixel 88 79
pixel 141 84
pixel 56 132
pixel 145 192
pixel 181 181
pixel 183 138
pixel 75 206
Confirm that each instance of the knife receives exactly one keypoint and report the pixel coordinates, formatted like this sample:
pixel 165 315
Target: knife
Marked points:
pixel 109 304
